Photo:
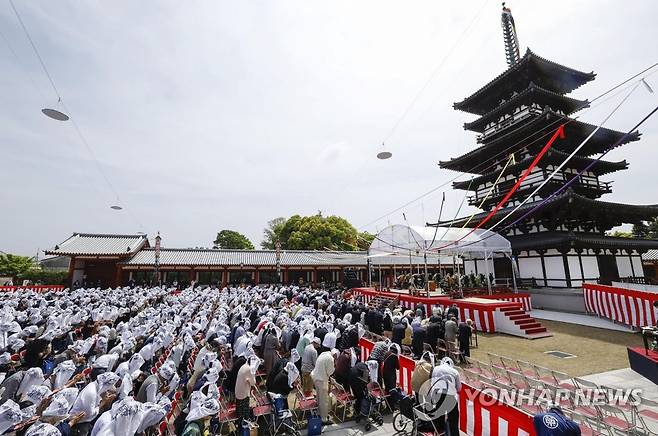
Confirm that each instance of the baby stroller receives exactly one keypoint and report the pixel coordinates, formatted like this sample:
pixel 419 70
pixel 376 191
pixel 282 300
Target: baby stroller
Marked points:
pixel 370 410
pixel 410 415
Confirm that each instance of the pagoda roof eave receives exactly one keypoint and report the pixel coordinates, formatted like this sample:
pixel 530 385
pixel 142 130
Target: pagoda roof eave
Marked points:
pixel 636 212
pixel 600 167
pixel 535 132
pixel 570 105
pixel 546 240
pixel 469 104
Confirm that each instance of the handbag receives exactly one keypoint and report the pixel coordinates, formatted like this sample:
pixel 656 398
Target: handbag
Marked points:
pixel 314 425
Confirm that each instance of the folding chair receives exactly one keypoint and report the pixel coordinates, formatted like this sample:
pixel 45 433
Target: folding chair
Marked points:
pixel 588 426
pixel 647 410
pixel 527 369
pixel 472 378
pixel 162 428
pixel 227 413
pixel 500 376
pixel 615 418
pixel 378 392
pixel 544 374
pixel 517 380
pixel 510 364
pixel 453 351
pixel 282 421
pixel 480 367
pixel 304 404
pixel 263 407
pixel 343 398
pixel 563 380
pixel 495 360
pixel 442 348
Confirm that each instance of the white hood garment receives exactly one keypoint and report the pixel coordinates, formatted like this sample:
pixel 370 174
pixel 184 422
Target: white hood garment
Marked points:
pixel 10 415
pixel 63 373
pixel 293 373
pixel 61 403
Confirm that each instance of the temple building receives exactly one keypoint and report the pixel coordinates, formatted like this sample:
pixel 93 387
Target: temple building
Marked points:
pixel 115 260
pixel 564 243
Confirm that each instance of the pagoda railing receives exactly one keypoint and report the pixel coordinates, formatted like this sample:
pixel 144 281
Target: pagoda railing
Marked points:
pixel 588 183
pixel 509 120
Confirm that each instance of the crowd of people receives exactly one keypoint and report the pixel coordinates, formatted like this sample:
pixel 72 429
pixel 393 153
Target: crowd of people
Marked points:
pixel 117 361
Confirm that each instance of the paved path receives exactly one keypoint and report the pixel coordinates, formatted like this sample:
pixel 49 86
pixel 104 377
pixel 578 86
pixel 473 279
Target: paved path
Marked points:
pixel 580 319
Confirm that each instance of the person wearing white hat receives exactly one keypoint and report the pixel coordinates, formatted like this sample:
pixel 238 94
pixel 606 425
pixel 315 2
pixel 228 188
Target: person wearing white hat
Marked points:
pixel 202 409
pixel 157 383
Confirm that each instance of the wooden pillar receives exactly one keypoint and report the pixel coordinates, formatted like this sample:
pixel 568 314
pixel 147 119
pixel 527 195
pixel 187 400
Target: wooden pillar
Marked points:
pixel 285 275
pixel 314 277
pixel 71 271
pixel 192 275
pixel 257 277
pixel 117 276
pixel 543 266
pixel 225 277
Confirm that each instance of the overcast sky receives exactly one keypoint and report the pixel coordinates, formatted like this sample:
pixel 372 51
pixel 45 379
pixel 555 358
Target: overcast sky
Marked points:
pixel 210 115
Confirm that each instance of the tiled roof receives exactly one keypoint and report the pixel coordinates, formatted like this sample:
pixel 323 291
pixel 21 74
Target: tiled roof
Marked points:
pixel 577 78
pixel 89 244
pixel 179 256
pixel 651 255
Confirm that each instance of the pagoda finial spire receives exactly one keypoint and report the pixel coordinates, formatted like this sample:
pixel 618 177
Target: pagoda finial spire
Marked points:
pixel 512 52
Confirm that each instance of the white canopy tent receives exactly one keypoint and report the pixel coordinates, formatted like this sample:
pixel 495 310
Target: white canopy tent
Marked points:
pixel 402 239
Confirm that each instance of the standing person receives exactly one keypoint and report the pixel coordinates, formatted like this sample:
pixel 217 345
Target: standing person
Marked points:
pixel 270 347
pixel 398 329
pixel 244 383
pixel 390 367
pixel 309 359
pixel 453 311
pixel 324 368
pixel 451 330
pixel 465 331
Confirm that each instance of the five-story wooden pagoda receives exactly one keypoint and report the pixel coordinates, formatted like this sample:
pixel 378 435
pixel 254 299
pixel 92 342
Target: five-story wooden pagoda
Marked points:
pixel 564 242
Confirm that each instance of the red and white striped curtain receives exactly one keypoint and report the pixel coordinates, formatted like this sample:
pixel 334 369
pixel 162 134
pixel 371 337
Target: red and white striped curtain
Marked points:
pixel 626 306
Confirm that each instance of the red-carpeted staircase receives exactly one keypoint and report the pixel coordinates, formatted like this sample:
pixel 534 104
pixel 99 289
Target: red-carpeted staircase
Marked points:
pixel 526 326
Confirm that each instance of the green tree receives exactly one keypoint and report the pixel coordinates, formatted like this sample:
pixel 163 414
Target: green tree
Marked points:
pixel 13 265
pixel 230 239
pixel 365 239
pixel 272 233
pixel 618 234
pixel 317 232
pixel 647 230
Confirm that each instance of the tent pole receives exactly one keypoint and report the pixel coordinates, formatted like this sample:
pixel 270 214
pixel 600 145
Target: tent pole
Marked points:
pixel 427 284
pixel 511 259
pixel 369 269
pixel 486 266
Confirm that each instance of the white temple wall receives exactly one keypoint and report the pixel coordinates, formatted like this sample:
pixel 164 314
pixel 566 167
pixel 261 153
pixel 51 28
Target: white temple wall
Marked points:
pixel 574 271
pixel 624 266
pixel 590 267
pixel 555 271
pixel 530 267
pixel 637 266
